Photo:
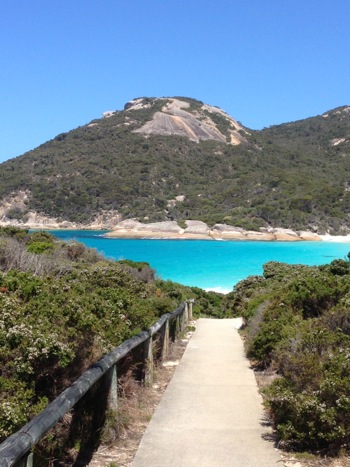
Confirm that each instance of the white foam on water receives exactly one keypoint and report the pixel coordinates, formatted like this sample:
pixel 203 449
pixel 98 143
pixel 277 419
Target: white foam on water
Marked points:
pixel 218 290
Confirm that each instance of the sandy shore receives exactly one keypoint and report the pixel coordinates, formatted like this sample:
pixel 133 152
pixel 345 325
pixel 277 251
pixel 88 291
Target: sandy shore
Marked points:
pixel 335 238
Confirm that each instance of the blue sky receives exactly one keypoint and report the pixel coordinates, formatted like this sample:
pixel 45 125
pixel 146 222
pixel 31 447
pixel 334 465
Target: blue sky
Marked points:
pixel 63 63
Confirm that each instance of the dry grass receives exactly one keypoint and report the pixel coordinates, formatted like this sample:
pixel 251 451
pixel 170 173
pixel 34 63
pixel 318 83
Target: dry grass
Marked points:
pixel 309 460
pixel 136 407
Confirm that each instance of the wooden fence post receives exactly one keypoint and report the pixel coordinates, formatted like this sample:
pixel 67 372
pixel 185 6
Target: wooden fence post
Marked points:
pixel 190 309
pixel 185 316
pixel 178 325
pixel 113 389
pixel 165 340
pixel 148 361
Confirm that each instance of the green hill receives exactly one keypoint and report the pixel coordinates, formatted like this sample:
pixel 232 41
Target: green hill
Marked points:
pixel 177 158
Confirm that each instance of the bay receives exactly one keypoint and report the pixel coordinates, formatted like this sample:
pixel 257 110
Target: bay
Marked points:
pixel 211 265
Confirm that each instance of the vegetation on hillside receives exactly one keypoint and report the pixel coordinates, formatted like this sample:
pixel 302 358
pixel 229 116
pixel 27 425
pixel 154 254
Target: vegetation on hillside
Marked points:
pixel 298 326
pixel 62 307
pixel 293 175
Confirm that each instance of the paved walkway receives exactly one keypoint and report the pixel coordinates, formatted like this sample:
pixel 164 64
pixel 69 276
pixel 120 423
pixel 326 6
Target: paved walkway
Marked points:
pixel 211 412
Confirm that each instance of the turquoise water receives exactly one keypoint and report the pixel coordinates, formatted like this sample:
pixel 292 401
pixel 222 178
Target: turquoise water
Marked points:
pixel 215 265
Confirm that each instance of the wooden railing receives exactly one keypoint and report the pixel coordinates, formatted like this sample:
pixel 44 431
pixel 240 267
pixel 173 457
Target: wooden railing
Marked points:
pixel 16 450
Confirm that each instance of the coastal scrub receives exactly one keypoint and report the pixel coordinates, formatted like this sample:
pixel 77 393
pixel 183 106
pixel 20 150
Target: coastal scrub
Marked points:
pixel 297 326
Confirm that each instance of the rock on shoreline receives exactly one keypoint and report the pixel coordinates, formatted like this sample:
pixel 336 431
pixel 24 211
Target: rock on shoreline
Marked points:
pixel 199 230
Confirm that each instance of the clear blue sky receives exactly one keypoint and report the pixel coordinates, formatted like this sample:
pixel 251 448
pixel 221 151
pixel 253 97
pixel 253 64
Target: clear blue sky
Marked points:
pixel 64 62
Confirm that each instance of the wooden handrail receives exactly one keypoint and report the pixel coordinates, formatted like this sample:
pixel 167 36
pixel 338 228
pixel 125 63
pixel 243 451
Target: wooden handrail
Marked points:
pixel 14 451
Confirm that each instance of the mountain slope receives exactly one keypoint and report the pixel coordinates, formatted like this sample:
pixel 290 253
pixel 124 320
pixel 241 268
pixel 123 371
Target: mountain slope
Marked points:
pixel 177 158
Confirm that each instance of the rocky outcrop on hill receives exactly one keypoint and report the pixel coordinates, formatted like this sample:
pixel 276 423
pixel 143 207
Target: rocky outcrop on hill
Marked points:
pixel 196 126
pixel 15 201
pixel 14 212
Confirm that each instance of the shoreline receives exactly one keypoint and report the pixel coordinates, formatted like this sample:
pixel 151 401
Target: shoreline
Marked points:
pixel 247 238
pixel 195 230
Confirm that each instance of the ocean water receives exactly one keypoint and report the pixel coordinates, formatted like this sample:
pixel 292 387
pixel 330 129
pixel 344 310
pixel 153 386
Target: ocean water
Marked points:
pixel 214 265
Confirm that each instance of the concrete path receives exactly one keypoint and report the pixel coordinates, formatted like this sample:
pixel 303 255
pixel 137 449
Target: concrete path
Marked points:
pixel 211 413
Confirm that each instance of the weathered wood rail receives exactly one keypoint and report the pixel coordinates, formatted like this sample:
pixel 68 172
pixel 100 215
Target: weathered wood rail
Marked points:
pixel 17 449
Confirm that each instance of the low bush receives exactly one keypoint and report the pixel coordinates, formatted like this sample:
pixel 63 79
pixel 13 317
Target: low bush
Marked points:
pixel 40 247
pixel 298 324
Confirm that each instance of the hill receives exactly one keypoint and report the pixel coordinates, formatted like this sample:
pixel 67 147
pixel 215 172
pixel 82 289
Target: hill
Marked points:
pixel 178 159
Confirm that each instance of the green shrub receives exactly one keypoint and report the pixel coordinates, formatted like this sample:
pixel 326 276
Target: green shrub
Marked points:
pixel 11 231
pixel 41 236
pixel 310 405
pixel 298 324
pixel 40 247
pixel 339 267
